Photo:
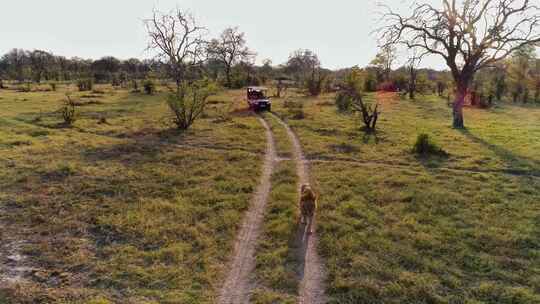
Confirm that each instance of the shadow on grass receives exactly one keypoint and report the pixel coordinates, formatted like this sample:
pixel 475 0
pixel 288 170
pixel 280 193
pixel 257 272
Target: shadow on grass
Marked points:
pixel 301 245
pixel 513 161
pixel 144 146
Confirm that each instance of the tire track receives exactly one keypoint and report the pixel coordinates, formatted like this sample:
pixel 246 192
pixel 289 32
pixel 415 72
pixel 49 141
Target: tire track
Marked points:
pixel 311 273
pixel 239 282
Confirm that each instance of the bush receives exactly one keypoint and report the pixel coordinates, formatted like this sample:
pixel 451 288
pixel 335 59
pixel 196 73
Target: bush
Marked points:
pixel 343 102
pixel 187 104
pixel 116 81
pixel 135 86
pixel 68 111
pixel 85 84
pixel 351 85
pixel 149 87
pixel 369 112
pixel 314 86
pixel 424 146
pixel 25 88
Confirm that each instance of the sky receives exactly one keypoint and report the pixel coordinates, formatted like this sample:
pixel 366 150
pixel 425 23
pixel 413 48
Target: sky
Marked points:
pixel 339 31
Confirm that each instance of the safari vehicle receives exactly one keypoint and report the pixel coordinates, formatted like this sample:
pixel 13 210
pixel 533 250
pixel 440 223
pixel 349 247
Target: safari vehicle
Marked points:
pixel 257 100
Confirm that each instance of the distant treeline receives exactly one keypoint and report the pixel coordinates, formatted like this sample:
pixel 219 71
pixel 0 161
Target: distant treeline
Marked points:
pixel 516 79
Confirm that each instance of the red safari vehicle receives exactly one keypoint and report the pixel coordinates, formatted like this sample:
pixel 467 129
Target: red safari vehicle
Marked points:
pixel 257 100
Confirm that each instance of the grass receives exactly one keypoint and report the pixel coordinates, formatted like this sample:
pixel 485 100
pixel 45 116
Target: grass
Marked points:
pixel 282 142
pixel 127 210
pixel 395 228
pixel 276 255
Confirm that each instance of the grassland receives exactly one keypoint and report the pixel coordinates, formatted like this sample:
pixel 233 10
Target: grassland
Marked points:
pixel 123 209
pixel 118 207
pixel 277 259
pixel 396 228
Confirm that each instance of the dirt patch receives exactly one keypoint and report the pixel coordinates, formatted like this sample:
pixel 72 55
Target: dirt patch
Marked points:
pixel 14 268
pixel 238 283
pixel 311 273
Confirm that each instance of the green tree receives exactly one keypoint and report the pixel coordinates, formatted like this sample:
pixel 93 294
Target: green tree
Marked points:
pixel 520 73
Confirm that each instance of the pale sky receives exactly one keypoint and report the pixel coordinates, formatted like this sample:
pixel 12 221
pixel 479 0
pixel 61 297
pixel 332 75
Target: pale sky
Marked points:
pixel 339 31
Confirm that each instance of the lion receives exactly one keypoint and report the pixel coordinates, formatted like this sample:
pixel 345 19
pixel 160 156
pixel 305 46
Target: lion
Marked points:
pixel 308 205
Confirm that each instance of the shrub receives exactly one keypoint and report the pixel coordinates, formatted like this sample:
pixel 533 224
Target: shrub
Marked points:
pixel 149 87
pixel 297 113
pixel 343 102
pixel 135 86
pixel 314 85
pixel 351 86
pixel 68 111
pixel 25 88
pixel 424 146
pixel 189 101
pixel 85 84
pixel 116 81
pixel 369 112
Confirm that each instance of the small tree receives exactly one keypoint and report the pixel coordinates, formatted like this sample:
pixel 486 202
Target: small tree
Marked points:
pixel 68 111
pixel 350 98
pixel 351 86
pixel 384 60
pixel 415 58
pixel 149 87
pixel 369 112
pixel 85 84
pixel 314 83
pixel 281 86
pixel 520 72
pixel 188 103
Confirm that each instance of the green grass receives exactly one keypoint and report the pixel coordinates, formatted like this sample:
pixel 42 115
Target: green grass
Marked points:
pixel 277 259
pixel 282 142
pixel 129 210
pixel 396 228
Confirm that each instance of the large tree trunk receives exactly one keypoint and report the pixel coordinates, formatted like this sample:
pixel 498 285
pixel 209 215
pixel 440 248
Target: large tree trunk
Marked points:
pixel 461 93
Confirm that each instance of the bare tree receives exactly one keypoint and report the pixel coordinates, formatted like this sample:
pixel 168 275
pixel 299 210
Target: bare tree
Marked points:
pixel 370 112
pixel 179 41
pixel 469 36
pixel 229 49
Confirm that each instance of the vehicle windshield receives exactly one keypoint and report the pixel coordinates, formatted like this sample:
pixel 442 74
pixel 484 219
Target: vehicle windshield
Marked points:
pixel 255 94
